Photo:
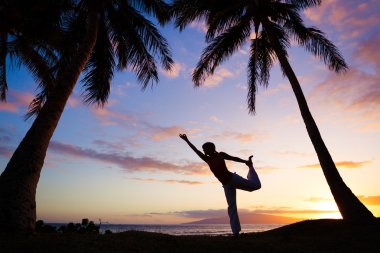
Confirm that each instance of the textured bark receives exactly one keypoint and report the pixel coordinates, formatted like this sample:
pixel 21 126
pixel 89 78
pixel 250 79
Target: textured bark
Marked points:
pixel 18 182
pixel 349 205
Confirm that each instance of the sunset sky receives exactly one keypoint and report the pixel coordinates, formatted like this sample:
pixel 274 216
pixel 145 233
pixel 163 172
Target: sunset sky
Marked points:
pixel 125 163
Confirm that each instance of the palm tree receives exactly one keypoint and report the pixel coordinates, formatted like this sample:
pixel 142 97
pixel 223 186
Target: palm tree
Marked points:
pixel 274 23
pixel 98 37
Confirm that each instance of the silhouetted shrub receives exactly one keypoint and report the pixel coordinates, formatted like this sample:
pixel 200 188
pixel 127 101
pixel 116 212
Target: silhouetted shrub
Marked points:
pixel 107 232
pixel 86 227
pixel 41 227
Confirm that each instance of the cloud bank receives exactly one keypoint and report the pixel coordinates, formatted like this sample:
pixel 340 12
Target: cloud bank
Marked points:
pixel 127 162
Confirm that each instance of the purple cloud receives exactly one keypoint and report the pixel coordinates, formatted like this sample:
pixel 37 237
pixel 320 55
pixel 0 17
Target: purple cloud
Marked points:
pixel 128 162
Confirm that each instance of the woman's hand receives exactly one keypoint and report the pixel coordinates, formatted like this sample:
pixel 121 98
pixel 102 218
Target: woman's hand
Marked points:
pixel 183 137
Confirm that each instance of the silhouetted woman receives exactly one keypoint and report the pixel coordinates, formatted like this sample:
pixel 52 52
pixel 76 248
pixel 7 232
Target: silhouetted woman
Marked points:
pixel 230 181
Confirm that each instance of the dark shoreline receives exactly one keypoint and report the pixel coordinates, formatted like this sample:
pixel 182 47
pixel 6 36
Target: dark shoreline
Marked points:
pixel 306 236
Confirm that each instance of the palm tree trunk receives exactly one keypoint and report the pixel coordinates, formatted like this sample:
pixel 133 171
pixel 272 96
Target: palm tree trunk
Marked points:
pixel 18 182
pixel 349 205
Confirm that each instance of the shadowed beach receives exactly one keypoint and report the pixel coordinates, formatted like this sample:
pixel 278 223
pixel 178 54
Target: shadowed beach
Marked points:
pixel 306 236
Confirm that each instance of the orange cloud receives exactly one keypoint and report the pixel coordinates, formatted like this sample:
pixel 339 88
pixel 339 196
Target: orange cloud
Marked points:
pixel 370 200
pixel 341 165
pixel 217 77
pixel 293 153
pixel 318 199
pixel 170 181
pixel 216 213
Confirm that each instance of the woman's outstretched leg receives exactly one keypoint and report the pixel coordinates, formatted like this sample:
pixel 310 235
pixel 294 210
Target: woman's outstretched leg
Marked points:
pixel 251 183
pixel 252 176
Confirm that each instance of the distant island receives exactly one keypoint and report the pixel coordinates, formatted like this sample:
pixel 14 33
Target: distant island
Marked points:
pixel 249 219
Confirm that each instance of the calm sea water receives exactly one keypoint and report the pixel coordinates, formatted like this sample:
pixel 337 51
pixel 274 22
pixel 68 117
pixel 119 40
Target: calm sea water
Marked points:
pixel 188 229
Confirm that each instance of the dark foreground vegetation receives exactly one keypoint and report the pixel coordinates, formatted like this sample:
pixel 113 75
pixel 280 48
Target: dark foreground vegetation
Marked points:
pixel 307 236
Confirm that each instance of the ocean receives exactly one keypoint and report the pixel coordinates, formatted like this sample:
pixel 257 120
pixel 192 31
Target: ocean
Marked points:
pixel 188 229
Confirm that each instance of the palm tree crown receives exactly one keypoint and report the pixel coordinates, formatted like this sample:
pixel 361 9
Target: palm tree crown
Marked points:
pixel 274 24
pixel 231 23
pixel 29 35
pixel 96 37
pixel 126 39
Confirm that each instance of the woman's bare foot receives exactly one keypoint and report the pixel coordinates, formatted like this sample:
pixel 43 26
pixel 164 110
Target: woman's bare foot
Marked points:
pixel 249 162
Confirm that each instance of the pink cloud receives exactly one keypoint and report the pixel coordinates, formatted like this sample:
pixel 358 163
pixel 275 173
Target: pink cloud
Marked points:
pixel 239 136
pixel 161 133
pixel 16 101
pixel 19 101
pixel 175 71
pixel 368 51
pixel 74 100
pixel 352 18
pixel 8 107
pixel 216 119
pixel 6 151
pixel 127 162
pixel 199 25
pixel 110 145
pixel 357 92
pixel 145 129
pixel 107 116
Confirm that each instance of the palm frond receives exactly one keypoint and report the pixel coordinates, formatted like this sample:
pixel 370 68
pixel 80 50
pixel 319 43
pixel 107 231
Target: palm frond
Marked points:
pixel 158 8
pixel 261 60
pixel 253 73
pixel 280 35
pixel 40 68
pixel 154 41
pixel 266 57
pixel 314 41
pixel 99 68
pixel 74 24
pixel 302 4
pixel 221 20
pixel 36 105
pixel 135 54
pixel 138 42
pixel 3 72
pixel 281 12
pixel 219 49
pixel 187 11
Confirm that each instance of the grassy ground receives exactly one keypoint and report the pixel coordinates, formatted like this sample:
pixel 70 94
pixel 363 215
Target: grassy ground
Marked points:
pixel 307 236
